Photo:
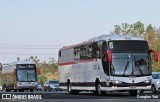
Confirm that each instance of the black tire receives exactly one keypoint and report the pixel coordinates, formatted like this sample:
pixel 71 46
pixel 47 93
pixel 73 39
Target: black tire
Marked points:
pixel 141 91
pixel 103 93
pixel 21 90
pixel 153 89
pixel 45 89
pixel 31 90
pixel 7 90
pixel 133 92
pixel 69 88
pixel 98 89
pixel 4 87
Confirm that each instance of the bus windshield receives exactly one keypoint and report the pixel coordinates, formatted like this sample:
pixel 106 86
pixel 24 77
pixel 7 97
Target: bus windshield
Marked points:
pixel 26 75
pixel 130 64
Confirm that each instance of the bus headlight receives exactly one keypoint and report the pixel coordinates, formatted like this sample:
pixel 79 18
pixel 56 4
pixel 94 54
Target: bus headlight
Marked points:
pixel 147 81
pixel 116 82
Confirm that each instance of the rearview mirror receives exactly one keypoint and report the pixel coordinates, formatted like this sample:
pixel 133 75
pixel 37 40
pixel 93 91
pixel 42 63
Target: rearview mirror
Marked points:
pixel 109 54
pixel 155 55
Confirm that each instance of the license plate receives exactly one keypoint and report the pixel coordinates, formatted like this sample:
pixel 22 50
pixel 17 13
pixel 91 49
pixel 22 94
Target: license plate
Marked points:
pixel 132 87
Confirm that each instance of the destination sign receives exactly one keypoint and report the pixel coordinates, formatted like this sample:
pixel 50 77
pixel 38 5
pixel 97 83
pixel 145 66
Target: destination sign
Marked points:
pixel 25 66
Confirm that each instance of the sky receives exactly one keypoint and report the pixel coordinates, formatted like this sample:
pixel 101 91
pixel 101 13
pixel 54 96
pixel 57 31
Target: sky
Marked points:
pixel 40 27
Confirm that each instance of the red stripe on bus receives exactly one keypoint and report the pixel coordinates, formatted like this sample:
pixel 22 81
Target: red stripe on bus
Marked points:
pixel 69 63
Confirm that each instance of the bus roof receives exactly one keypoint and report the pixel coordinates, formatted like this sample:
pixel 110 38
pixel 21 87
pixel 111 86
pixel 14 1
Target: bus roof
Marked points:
pixel 71 46
pixel 20 62
pixel 115 37
pixel 106 38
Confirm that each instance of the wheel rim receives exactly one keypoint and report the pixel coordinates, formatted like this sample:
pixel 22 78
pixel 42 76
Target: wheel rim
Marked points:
pixel 99 89
pixel 69 88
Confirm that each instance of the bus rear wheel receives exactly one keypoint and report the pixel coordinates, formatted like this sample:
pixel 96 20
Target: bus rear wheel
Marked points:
pixel 69 88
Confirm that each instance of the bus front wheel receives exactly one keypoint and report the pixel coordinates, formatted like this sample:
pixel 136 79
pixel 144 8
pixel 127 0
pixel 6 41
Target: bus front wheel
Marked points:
pixel 98 89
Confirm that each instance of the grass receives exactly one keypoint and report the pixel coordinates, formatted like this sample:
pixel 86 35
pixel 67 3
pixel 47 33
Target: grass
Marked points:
pixel 51 76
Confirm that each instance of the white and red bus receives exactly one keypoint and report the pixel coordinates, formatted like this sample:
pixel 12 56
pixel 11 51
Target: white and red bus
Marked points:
pixel 106 63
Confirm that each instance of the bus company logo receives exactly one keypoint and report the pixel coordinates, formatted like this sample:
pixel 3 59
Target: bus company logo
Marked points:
pixel 6 96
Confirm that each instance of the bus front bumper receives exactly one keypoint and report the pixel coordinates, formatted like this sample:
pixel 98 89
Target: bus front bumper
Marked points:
pixel 27 87
pixel 114 88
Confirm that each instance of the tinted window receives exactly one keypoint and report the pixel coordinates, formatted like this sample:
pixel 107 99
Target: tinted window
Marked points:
pixel 156 76
pixel 26 75
pixel 129 46
pixel 53 82
pixel 59 53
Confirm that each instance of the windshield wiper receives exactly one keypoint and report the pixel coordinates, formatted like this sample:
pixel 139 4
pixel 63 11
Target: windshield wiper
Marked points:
pixel 28 77
pixel 138 66
pixel 113 69
pixel 125 68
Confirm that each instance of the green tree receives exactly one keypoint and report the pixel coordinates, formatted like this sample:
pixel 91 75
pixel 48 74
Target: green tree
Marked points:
pixel 150 33
pixel 18 59
pixel 135 29
pixel 35 59
pixel 1 66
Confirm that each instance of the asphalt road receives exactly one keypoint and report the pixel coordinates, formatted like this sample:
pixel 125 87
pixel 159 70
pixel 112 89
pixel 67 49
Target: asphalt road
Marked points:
pixel 63 96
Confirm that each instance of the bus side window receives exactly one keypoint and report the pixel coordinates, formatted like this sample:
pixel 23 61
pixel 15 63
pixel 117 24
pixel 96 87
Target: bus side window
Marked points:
pixel 76 54
pixel 105 63
pixel 81 53
pixel 95 50
pixel 104 50
pixel 89 51
pixel 59 53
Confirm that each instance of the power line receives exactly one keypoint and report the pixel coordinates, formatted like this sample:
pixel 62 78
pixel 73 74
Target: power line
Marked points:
pixel 27 46
pixel 44 48
pixel 25 54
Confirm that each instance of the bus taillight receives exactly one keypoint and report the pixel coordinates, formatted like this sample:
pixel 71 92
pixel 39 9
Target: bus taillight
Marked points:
pixel 38 71
pixel 155 54
pixel 109 54
pixel 14 72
